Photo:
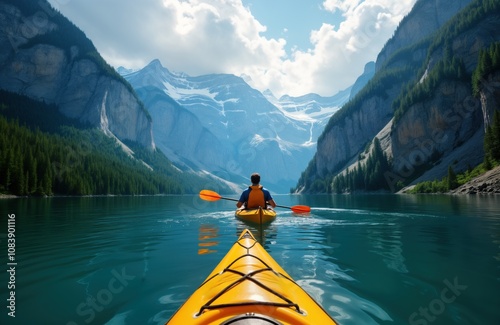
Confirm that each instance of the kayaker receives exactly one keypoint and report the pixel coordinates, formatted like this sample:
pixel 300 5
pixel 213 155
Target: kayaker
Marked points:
pixel 255 195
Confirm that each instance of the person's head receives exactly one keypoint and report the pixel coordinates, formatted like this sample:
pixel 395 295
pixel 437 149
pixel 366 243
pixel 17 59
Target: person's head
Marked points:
pixel 255 178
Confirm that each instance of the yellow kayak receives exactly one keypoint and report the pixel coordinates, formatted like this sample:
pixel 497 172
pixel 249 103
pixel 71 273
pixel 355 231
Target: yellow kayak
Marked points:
pixel 249 287
pixel 257 216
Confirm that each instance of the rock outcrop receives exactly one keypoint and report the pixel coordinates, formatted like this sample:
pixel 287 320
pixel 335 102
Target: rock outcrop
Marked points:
pixel 81 84
pixel 488 183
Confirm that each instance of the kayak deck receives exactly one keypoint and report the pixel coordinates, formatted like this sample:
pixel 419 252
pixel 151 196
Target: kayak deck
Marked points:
pixel 249 285
pixel 257 216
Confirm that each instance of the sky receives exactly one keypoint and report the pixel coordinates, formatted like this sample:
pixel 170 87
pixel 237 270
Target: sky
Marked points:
pixel 291 47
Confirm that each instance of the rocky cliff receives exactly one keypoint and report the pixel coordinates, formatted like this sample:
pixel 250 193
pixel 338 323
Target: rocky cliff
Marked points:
pixel 348 133
pixel 180 134
pixel 45 57
pixel 445 127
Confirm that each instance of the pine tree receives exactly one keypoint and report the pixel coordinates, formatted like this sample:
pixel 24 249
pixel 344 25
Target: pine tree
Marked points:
pixel 452 179
pixel 492 142
pixel 32 180
pixel 488 144
pixel 495 137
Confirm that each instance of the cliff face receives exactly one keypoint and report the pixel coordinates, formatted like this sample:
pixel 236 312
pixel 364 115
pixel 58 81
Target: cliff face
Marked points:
pixel 344 140
pixel 180 135
pixel 74 81
pixel 448 129
pixel 444 128
pixel 490 97
pixel 436 128
pixel 342 143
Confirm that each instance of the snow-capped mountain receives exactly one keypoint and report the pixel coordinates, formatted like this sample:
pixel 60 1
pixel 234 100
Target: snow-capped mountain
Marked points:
pixel 219 124
pixel 310 108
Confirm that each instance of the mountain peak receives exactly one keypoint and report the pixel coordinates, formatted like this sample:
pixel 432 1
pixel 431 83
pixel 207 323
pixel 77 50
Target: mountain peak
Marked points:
pixel 156 63
pixel 156 66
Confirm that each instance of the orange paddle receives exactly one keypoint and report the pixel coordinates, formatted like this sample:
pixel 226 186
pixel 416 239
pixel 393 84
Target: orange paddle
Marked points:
pixel 208 195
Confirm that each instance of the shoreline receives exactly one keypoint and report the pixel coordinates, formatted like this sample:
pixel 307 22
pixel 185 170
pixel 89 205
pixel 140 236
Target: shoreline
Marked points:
pixel 485 184
pixel 9 196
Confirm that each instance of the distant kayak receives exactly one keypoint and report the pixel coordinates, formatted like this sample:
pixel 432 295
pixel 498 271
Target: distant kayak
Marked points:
pixel 257 216
pixel 249 287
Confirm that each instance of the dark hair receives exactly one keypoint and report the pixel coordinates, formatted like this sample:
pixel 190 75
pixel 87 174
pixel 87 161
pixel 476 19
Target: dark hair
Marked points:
pixel 255 178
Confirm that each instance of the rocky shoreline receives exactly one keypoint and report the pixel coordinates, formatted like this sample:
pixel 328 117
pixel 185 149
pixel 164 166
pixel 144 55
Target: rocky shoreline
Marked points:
pixel 487 183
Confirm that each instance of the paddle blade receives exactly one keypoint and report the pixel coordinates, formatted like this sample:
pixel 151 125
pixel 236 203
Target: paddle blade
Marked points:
pixel 301 209
pixel 208 195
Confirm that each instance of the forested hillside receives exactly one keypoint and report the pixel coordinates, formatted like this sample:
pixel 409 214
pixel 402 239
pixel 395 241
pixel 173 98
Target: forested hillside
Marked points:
pixel 43 152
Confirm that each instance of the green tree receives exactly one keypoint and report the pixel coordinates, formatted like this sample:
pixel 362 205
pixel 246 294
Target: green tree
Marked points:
pixel 492 142
pixel 495 130
pixel 489 61
pixel 452 179
pixel 369 177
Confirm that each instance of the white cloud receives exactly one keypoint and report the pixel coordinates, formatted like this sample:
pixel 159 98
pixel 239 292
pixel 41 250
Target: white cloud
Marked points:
pixel 338 53
pixel 222 36
pixel 342 5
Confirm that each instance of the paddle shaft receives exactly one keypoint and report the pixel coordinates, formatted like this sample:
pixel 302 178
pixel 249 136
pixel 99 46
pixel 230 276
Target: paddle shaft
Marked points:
pixel 214 196
pixel 231 199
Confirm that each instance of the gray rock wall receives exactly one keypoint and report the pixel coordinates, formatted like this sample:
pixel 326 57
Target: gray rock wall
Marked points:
pixel 80 88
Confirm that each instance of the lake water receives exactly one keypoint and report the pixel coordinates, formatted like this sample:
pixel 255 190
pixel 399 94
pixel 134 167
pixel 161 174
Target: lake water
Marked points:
pixel 367 259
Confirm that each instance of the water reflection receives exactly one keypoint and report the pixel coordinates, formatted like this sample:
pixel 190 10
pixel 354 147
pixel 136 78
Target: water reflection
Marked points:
pixel 264 234
pixel 386 242
pixel 206 239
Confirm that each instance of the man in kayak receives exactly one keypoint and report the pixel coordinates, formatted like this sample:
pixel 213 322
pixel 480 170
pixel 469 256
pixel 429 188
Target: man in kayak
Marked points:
pixel 255 195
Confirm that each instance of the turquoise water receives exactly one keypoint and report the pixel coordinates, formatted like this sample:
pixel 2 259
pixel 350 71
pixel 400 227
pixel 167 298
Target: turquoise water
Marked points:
pixel 372 259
